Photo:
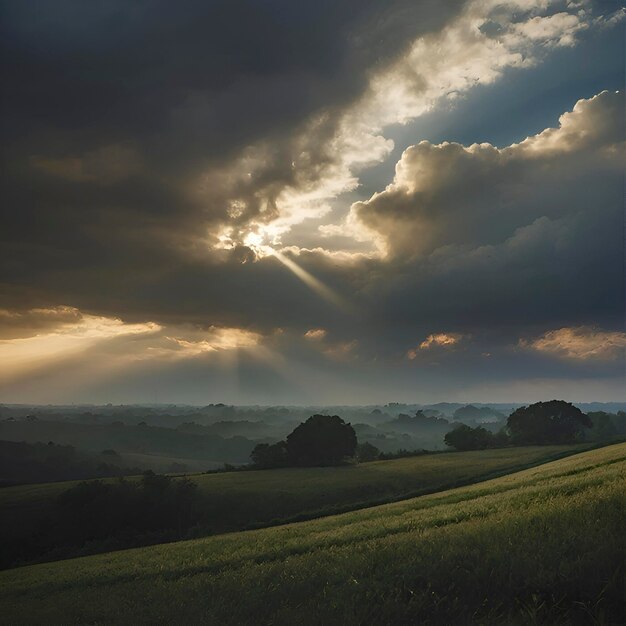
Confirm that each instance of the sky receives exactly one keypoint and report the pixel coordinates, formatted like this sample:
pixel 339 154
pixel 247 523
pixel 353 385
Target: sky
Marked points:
pixel 338 202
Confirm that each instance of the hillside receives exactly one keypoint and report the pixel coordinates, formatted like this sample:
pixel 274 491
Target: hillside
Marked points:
pixel 241 500
pixel 544 545
pixel 142 439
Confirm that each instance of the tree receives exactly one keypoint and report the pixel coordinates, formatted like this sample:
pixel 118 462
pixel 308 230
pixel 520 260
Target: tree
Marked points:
pixel 603 427
pixel 464 437
pixel 501 438
pixel 321 440
pixel 547 422
pixel 266 456
pixel 367 452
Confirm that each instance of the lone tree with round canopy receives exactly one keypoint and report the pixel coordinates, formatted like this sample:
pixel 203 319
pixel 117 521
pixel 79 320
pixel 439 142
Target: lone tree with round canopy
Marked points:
pixel 321 440
pixel 547 422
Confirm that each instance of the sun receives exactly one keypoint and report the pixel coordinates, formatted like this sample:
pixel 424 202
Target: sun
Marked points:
pixel 254 240
pixel 257 241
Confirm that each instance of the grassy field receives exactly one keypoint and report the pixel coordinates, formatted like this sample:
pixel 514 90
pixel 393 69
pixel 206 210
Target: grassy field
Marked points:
pixel 318 488
pixel 252 499
pixel 275 496
pixel 542 546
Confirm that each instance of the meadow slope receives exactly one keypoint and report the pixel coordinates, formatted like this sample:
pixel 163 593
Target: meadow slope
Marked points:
pixel 251 499
pixel 544 545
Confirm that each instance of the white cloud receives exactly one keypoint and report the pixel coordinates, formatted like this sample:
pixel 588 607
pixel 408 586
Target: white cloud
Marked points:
pixel 592 124
pixel 558 29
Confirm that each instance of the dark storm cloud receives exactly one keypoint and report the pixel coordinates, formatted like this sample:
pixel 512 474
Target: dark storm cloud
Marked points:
pixel 512 241
pixel 124 68
pixel 188 82
pixel 110 108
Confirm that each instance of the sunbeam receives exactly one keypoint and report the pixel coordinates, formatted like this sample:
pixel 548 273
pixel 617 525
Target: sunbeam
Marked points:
pixel 312 282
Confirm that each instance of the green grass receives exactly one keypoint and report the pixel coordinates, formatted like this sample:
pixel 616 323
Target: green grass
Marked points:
pixel 286 493
pixel 254 499
pixel 263 497
pixel 542 546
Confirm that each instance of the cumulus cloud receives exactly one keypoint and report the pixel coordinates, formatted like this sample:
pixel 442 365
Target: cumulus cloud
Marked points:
pixel 315 334
pixel 490 241
pixel 453 195
pixel 581 344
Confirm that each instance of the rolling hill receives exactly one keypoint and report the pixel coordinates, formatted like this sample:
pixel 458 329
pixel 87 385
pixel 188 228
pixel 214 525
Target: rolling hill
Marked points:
pixel 251 499
pixel 543 545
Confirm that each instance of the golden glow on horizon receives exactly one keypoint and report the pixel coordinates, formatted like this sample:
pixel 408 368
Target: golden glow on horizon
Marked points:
pixel 25 353
pixel 76 333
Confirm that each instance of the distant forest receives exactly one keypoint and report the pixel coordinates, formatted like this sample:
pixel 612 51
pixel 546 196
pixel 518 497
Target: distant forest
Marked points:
pixel 52 443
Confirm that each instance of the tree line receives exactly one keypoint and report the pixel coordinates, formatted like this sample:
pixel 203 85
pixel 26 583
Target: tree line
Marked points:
pixel 542 423
pixel 328 440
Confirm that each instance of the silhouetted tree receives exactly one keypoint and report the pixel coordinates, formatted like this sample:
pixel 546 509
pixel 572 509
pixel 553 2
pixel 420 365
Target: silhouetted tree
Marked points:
pixel 124 509
pixel 501 439
pixel 547 422
pixel 603 428
pixel 321 440
pixel 367 452
pixel 265 455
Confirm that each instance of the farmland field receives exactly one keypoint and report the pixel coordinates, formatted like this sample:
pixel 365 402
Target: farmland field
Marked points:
pixel 544 545
pixel 240 500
